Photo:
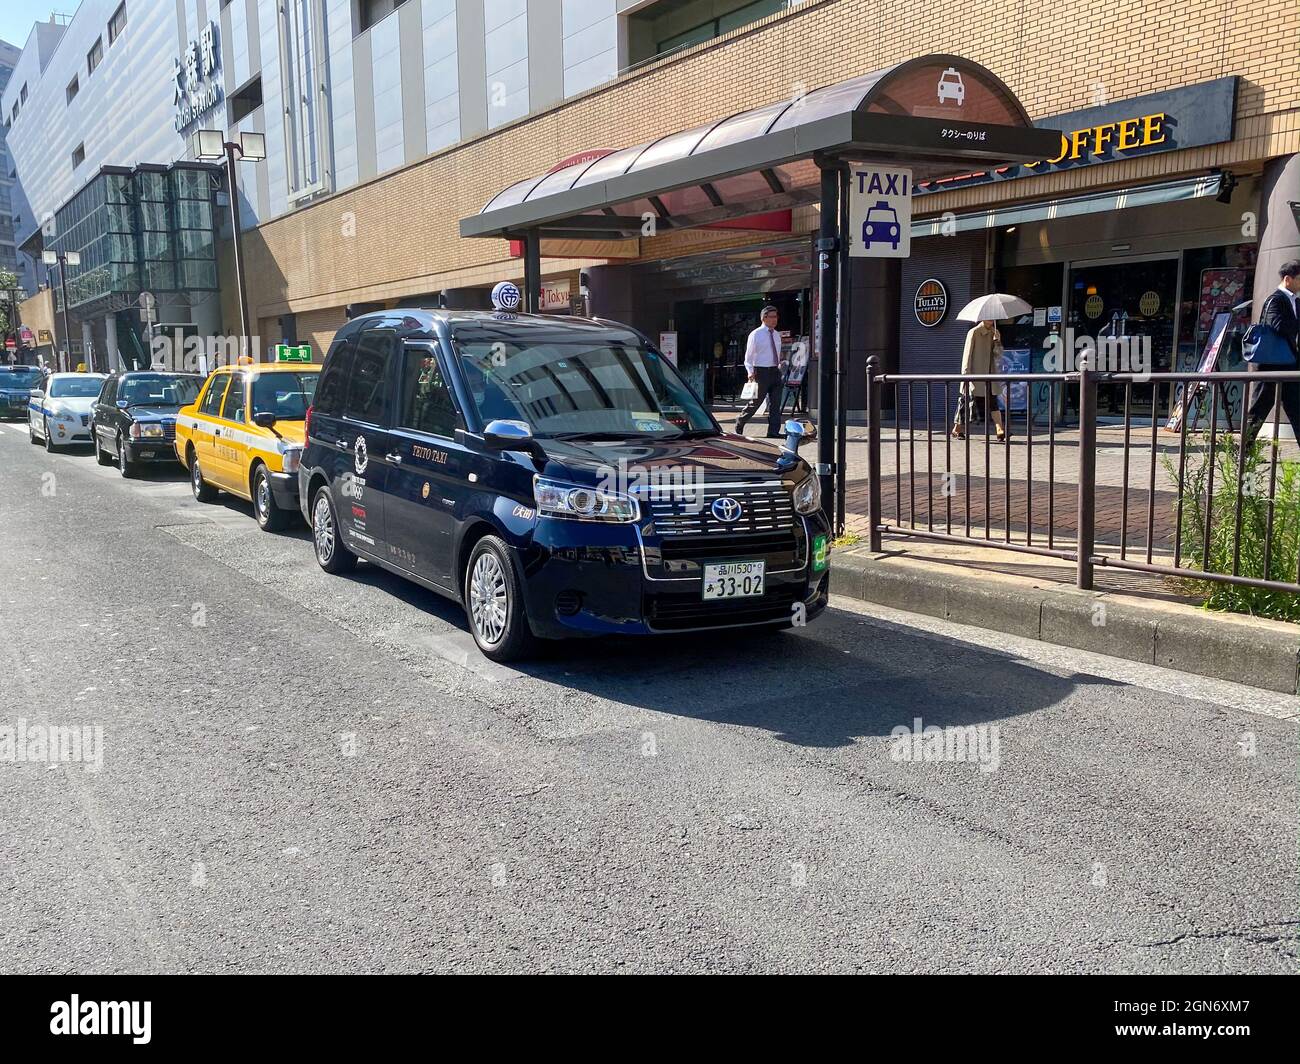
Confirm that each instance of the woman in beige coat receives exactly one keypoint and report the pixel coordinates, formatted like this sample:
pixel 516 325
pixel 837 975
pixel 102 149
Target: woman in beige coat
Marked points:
pixel 981 355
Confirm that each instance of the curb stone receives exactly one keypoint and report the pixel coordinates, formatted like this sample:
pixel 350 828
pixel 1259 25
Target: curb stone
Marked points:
pixel 1247 650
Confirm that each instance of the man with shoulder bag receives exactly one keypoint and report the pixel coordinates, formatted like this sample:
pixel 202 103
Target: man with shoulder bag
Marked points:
pixel 1271 345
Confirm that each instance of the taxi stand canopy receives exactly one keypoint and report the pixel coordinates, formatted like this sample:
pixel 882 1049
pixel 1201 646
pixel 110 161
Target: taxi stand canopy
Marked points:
pixel 940 115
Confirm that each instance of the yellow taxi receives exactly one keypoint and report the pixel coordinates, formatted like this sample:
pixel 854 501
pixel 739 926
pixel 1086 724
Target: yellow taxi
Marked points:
pixel 244 434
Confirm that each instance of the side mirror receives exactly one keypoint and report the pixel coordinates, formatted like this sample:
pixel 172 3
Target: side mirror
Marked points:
pixel 505 435
pixel 264 420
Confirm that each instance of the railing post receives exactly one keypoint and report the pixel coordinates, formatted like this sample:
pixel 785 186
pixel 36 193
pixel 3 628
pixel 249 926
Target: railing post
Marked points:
pixel 1087 473
pixel 874 516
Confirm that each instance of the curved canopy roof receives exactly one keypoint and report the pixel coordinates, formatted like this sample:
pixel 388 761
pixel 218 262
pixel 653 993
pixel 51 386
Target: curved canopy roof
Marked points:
pixel 938 114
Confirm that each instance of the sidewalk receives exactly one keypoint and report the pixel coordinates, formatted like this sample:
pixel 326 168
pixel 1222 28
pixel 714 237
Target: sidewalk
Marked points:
pixel 1137 616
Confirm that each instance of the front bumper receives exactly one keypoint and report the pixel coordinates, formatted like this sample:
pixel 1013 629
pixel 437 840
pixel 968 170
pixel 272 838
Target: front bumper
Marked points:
pixel 74 429
pixel 586 579
pixel 158 449
pixel 284 487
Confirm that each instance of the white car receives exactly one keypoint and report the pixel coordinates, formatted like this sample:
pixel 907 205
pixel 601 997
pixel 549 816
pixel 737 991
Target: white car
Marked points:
pixel 951 86
pixel 59 412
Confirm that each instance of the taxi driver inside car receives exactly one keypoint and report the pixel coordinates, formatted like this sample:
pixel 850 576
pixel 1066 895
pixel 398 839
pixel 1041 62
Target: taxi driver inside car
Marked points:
pixel 244 434
pixel 493 457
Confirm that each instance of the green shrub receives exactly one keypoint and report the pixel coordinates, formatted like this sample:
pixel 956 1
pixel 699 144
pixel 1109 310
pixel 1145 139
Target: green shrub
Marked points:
pixel 1285 553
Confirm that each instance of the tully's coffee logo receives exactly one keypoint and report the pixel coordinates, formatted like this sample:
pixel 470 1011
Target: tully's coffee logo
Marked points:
pixel 1149 304
pixel 931 302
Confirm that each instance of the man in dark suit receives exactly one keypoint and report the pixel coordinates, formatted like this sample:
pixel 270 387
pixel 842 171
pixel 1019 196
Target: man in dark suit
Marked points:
pixel 1280 314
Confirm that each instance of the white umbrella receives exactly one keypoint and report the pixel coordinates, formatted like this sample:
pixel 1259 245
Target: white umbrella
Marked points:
pixel 994 307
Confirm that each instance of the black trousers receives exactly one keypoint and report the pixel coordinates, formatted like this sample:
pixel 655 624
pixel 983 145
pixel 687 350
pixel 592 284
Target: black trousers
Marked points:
pixel 1262 395
pixel 770 387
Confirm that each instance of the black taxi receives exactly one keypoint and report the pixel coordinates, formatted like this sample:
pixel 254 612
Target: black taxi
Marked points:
pixel 557 477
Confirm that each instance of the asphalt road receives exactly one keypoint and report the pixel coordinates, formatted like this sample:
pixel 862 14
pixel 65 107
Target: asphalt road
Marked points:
pixel 307 773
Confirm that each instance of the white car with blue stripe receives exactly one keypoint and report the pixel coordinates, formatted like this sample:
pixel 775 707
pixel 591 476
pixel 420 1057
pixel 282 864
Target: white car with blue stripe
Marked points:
pixel 59 415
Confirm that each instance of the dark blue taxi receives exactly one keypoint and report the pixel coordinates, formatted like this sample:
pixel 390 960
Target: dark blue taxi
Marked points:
pixel 557 477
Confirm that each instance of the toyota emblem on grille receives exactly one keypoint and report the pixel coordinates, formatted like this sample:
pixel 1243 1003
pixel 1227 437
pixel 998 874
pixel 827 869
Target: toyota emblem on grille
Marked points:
pixel 726 510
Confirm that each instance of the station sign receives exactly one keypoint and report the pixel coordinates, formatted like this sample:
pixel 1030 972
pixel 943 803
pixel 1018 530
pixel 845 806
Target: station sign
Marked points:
pixel 196 84
pixel 880 212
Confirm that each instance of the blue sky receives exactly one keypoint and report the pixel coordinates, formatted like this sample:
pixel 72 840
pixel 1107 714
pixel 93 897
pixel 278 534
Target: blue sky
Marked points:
pixel 17 17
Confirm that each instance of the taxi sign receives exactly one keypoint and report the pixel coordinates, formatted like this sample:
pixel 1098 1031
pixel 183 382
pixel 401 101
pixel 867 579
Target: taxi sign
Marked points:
pixel 506 297
pixel 287 353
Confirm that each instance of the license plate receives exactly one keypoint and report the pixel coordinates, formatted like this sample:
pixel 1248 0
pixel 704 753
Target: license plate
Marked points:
pixel 726 580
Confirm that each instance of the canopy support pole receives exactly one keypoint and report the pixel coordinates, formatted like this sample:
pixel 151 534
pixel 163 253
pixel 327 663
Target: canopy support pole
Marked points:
pixel 532 272
pixel 828 254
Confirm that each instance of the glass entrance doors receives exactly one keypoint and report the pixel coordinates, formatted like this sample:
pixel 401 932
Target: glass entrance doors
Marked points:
pixel 1128 309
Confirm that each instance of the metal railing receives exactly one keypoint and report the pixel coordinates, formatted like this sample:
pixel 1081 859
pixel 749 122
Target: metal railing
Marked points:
pixel 992 504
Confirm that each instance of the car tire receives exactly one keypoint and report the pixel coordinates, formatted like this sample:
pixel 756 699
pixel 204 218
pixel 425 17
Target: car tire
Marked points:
pixel 271 517
pixel 327 537
pixel 31 432
pixel 101 455
pixel 49 439
pixel 494 603
pixel 203 491
pixel 124 465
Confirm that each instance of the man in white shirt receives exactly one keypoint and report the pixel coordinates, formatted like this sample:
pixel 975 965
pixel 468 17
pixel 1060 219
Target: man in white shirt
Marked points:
pixel 766 367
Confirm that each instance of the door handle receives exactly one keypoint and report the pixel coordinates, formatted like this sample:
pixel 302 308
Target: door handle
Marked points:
pixel 394 457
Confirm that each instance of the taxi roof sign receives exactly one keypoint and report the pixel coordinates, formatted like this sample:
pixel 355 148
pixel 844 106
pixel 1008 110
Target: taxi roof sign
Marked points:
pixel 288 353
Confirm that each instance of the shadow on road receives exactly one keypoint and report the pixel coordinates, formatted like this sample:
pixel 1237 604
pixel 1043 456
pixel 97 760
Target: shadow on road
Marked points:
pixel 841 679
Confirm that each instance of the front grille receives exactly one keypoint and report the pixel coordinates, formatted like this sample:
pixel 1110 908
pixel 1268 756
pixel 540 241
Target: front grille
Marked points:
pixel 765 507
pixel 708 548
pixel 169 430
pixel 85 421
pixel 687 610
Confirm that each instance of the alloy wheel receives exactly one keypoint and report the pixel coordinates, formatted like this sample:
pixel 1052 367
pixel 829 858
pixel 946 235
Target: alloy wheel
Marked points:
pixel 322 527
pixel 488 598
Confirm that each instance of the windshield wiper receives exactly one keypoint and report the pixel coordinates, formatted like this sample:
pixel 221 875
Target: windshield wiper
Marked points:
pixel 596 435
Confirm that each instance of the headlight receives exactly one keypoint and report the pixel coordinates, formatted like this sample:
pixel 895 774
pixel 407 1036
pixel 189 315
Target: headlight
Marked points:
pixel 58 410
pixel 578 503
pixel 148 432
pixel 808 494
pixel 291 459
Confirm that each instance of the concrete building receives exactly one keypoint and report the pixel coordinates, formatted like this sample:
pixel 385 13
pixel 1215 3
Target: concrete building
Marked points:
pixel 13 204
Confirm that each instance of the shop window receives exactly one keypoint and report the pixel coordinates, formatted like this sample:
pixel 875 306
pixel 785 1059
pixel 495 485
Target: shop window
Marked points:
pixel 246 100
pixel 78 155
pixel 95 55
pixel 117 24
pixel 22 94
pixel 74 87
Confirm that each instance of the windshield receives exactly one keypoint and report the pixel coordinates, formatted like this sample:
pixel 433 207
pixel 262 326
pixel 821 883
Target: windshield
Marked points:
pixel 580 388
pixel 75 387
pixel 286 395
pixel 159 390
pixel 23 377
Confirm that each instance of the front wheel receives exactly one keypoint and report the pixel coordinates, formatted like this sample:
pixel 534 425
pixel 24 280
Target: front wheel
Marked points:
pixel 101 455
pixel 49 440
pixel 203 491
pixel 124 464
pixel 271 517
pixel 494 602
pixel 331 555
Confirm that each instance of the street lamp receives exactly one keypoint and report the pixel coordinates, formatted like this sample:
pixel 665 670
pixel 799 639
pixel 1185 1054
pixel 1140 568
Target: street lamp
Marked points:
pixel 210 144
pixel 64 259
